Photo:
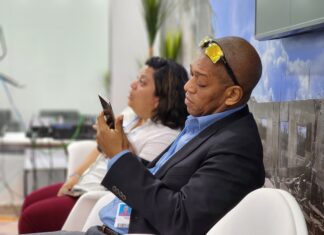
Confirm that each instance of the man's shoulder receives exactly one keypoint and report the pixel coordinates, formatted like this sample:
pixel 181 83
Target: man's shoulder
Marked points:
pixel 231 130
pixel 239 120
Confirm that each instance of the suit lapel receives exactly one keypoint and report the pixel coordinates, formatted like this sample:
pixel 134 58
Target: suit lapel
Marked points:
pixel 193 144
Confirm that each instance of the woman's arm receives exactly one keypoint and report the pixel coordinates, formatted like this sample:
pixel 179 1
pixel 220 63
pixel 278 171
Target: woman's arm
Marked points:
pixel 75 177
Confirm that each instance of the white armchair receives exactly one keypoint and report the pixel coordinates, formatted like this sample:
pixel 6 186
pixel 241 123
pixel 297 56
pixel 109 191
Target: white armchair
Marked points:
pixel 265 211
pixel 82 212
pixel 77 152
pixel 93 218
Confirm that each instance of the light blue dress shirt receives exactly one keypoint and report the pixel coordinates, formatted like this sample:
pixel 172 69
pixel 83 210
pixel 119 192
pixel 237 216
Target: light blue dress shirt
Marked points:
pixel 193 126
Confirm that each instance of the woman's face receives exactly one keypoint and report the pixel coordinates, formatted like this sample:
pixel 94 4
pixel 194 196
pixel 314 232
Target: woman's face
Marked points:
pixel 141 96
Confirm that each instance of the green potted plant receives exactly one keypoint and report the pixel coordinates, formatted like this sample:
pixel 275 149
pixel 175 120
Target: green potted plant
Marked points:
pixel 171 45
pixel 154 15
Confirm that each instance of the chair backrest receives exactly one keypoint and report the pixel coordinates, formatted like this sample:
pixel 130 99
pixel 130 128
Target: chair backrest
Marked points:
pixel 82 209
pixel 265 211
pixel 77 151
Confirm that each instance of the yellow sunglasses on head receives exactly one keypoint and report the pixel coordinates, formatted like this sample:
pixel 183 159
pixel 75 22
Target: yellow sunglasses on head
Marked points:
pixel 215 53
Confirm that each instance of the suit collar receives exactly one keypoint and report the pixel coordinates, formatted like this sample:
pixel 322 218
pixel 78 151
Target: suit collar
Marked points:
pixel 197 141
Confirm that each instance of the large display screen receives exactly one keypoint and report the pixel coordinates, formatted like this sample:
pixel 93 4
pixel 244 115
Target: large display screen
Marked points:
pixel 282 18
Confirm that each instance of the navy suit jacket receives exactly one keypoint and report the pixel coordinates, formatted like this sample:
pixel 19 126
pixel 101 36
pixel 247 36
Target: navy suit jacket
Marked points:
pixel 196 187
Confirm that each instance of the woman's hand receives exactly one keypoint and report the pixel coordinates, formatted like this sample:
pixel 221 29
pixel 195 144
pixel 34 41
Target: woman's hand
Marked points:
pixel 68 185
pixel 111 141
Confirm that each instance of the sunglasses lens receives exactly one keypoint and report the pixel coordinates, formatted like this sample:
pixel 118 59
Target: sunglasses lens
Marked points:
pixel 214 52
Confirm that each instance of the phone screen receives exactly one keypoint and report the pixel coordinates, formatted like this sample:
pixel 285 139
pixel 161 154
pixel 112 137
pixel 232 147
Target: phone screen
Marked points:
pixel 108 112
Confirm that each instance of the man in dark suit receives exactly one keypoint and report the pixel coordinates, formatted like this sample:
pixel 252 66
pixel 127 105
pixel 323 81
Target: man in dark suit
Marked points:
pixel 216 160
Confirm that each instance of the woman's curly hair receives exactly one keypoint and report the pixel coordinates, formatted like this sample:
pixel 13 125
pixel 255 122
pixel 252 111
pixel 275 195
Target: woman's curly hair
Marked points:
pixel 169 79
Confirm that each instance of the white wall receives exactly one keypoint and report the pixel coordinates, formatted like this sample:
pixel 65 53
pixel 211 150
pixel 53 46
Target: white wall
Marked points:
pixel 58 49
pixel 128 47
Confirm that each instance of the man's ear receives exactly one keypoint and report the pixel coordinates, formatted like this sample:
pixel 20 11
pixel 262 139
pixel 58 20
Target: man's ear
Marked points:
pixel 234 95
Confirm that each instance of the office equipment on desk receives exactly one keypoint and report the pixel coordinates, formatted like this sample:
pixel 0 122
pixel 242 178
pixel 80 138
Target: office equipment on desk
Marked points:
pixel 19 139
pixel 62 124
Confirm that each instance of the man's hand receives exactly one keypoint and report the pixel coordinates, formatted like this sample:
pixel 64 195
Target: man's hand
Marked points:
pixel 111 141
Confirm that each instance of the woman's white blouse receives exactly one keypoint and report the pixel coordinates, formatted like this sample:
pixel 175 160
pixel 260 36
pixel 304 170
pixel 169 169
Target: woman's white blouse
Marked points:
pixel 148 140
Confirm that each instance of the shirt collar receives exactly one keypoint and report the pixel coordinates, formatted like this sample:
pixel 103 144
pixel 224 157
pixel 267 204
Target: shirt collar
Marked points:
pixel 200 123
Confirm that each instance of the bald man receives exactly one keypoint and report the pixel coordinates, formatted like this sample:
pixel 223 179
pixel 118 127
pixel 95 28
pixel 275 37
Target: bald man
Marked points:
pixel 215 161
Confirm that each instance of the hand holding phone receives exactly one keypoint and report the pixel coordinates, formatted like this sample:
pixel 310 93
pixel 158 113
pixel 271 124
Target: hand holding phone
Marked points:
pixel 74 192
pixel 108 112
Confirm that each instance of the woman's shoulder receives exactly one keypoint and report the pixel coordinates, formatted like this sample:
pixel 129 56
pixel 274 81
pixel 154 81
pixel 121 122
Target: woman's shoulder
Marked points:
pixel 160 129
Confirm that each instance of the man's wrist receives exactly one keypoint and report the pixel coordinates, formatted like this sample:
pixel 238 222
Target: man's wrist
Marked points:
pixel 116 157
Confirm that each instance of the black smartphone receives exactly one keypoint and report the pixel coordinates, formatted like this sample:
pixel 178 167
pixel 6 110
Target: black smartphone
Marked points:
pixel 74 192
pixel 108 112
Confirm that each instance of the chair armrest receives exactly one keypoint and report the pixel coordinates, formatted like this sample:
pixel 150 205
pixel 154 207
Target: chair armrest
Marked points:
pixel 93 218
pixel 81 210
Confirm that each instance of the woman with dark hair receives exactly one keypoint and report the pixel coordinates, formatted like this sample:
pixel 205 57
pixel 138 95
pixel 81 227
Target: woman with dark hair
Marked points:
pixel 157 98
pixel 171 110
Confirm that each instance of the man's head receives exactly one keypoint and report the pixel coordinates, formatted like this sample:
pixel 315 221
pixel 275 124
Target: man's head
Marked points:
pixel 223 76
